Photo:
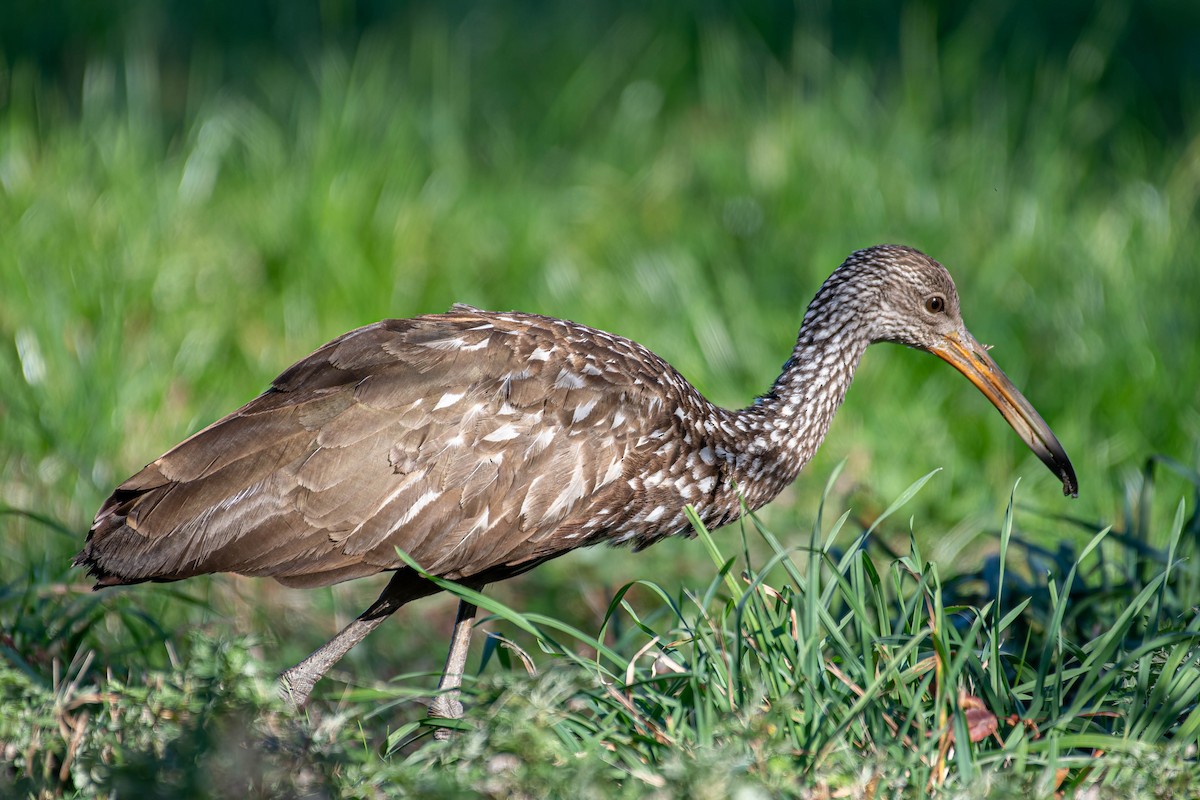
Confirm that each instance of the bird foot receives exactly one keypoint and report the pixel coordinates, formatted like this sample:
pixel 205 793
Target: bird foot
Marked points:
pixel 295 687
pixel 445 706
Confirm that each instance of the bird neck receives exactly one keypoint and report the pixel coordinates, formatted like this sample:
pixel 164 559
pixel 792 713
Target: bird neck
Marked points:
pixel 784 427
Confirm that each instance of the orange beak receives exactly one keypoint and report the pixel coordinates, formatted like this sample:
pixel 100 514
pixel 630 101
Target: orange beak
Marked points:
pixel 969 358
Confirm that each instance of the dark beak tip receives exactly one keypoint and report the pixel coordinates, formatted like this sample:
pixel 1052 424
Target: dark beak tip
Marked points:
pixel 1069 482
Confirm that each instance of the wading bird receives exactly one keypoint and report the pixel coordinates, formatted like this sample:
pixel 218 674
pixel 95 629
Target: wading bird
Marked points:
pixel 483 444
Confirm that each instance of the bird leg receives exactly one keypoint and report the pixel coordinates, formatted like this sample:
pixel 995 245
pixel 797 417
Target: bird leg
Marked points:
pixel 296 684
pixel 447 705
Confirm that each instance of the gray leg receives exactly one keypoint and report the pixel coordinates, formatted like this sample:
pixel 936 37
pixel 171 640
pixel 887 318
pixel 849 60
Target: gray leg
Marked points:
pixel 296 684
pixel 447 705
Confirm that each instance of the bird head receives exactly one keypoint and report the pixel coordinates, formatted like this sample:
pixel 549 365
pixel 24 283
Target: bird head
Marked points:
pixel 906 297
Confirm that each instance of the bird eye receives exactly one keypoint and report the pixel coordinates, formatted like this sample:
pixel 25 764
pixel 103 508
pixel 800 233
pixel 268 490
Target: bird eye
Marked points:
pixel 935 304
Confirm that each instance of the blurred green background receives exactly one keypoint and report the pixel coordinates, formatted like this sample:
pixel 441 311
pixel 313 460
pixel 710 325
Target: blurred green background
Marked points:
pixel 194 195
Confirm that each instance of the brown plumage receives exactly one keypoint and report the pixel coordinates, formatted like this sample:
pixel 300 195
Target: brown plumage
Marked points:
pixel 482 444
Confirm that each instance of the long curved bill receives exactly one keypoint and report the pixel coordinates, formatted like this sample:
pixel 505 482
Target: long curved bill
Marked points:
pixel 969 358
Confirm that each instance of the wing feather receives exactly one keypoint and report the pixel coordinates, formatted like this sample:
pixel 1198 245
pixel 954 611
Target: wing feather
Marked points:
pixel 470 440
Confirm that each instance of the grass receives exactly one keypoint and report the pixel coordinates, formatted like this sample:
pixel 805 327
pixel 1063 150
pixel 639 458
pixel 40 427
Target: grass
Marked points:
pixel 162 260
pixel 825 668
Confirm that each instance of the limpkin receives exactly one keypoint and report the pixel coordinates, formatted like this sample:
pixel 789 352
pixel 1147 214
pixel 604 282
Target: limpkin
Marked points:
pixel 483 444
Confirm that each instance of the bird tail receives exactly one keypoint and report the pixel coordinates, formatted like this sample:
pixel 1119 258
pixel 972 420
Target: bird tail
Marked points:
pixel 110 554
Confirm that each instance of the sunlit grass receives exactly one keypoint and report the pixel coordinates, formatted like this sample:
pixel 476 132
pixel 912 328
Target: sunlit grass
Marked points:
pixel 823 667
